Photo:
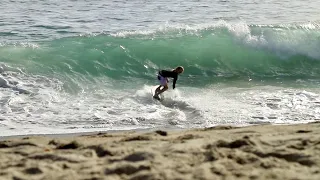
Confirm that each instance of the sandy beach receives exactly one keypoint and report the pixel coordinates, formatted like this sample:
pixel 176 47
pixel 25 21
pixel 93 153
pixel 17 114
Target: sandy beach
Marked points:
pixel 223 152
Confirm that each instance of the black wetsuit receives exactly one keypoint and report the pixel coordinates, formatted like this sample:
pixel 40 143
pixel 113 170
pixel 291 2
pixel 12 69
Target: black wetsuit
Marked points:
pixel 171 74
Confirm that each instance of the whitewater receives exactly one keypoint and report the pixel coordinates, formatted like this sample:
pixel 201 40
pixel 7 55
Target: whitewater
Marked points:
pixel 89 66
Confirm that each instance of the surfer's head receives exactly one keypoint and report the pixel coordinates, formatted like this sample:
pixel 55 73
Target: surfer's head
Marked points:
pixel 179 69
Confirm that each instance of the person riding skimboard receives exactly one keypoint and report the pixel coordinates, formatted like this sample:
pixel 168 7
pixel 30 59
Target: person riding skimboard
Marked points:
pixel 163 76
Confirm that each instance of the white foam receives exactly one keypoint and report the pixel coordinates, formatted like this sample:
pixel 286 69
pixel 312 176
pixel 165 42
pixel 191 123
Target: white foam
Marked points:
pixel 284 39
pixel 115 106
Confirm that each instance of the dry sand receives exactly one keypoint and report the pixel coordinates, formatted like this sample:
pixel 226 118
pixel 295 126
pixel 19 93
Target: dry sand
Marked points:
pixel 255 152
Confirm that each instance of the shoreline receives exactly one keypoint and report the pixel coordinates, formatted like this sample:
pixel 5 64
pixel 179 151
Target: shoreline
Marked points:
pixel 220 152
pixel 76 134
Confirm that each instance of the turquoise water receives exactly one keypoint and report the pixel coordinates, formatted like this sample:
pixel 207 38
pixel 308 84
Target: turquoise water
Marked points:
pixel 88 66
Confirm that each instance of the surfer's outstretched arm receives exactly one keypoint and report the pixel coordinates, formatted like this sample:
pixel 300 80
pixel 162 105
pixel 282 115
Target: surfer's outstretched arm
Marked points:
pixel 174 82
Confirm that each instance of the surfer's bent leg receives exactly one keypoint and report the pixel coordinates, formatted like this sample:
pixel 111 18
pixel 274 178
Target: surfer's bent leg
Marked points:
pixel 165 87
pixel 163 83
pixel 157 90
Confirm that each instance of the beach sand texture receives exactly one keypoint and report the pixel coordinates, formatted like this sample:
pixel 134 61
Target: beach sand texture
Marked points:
pixel 223 152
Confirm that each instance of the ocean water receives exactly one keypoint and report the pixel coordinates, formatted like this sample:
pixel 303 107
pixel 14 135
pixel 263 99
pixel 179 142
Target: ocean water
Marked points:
pixel 80 66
